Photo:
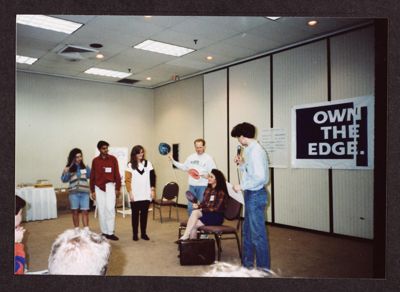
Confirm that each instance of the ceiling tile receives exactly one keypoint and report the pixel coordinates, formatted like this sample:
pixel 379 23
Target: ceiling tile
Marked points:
pixel 223 48
pixel 236 23
pixel 191 64
pixel 26 31
pixel 75 18
pixel 182 39
pixel 199 29
pixel 164 21
pixel 253 42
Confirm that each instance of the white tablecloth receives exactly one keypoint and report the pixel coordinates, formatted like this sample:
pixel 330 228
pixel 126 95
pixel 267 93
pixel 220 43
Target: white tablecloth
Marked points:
pixel 41 203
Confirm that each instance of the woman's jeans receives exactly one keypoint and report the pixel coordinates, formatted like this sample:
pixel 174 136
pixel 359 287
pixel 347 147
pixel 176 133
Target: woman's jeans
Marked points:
pixel 255 240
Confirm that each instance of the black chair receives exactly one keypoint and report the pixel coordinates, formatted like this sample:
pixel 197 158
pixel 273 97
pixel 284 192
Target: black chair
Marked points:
pixel 169 198
pixel 232 212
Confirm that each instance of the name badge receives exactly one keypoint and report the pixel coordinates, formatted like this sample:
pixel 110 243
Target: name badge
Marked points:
pixel 107 169
pixel 83 171
pixel 211 198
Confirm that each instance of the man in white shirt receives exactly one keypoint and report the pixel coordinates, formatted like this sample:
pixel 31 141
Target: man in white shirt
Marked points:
pixel 198 165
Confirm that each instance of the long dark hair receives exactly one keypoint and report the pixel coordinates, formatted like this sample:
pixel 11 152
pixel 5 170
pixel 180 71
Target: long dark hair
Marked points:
pixel 19 204
pixel 221 181
pixel 135 150
pixel 71 158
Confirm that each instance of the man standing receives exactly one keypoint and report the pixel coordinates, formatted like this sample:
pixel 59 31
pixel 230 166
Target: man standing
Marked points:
pixel 198 165
pixel 105 183
pixel 255 175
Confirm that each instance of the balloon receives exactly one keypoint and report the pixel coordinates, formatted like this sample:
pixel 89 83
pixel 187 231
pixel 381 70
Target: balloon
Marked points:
pixel 164 148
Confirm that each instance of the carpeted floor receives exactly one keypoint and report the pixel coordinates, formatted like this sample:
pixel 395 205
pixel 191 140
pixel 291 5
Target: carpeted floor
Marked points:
pixel 294 253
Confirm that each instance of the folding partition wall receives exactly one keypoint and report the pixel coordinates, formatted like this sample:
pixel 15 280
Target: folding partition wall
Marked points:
pixel 262 92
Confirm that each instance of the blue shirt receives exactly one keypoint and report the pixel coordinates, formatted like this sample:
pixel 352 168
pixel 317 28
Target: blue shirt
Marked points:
pixel 255 169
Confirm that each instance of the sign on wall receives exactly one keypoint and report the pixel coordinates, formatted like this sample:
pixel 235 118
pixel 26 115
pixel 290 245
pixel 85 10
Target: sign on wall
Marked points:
pixel 274 141
pixel 337 134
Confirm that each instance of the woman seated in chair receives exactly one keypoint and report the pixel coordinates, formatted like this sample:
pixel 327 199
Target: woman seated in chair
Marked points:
pixel 211 210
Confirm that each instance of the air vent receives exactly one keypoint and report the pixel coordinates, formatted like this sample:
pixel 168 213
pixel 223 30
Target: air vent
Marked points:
pixel 76 53
pixel 76 49
pixel 127 81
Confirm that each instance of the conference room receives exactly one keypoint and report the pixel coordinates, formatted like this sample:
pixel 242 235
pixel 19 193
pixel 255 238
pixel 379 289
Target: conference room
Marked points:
pixel 313 87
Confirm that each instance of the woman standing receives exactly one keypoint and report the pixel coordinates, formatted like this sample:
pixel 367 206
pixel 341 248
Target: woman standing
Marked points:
pixel 211 210
pixel 140 181
pixel 77 174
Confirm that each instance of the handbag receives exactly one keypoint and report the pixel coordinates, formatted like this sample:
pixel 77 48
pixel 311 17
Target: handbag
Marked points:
pixel 197 252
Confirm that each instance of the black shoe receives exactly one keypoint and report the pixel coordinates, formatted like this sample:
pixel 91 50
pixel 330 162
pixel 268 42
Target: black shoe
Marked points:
pixel 145 237
pixel 112 237
pixel 135 237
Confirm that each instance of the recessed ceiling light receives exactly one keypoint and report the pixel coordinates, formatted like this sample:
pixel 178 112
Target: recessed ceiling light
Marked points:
pixel 108 73
pixel 163 48
pixel 148 78
pixel 99 56
pixel 148 16
pixel 273 17
pixel 312 22
pixel 47 22
pixel 25 60
pixel 209 58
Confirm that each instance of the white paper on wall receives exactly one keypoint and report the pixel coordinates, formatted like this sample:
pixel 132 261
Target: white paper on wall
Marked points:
pixel 275 142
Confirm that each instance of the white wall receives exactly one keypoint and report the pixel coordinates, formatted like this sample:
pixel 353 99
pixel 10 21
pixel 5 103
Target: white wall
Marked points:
pixel 352 59
pixel 300 77
pixel 249 101
pixel 216 118
pixel 178 119
pixel 54 115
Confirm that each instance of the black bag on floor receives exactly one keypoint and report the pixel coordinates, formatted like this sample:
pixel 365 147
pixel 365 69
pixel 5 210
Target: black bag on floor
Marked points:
pixel 197 252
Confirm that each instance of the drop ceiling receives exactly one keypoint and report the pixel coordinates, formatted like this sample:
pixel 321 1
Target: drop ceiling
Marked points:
pixel 227 39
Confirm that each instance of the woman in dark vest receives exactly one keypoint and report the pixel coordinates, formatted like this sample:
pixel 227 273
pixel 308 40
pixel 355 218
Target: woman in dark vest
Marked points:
pixel 77 174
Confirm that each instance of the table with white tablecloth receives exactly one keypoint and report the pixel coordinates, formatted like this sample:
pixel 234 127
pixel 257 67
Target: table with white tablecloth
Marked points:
pixel 41 203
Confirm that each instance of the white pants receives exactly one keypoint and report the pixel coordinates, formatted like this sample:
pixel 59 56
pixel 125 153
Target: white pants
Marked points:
pixel 106 208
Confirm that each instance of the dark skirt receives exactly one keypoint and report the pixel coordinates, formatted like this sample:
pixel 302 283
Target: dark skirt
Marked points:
pixel 212 218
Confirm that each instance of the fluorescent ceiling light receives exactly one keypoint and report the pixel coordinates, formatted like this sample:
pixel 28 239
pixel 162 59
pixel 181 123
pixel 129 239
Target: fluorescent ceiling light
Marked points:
pixel 163 48
pixel 47 22
pixel 25 60
pixel 108 73
pixel 273 17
